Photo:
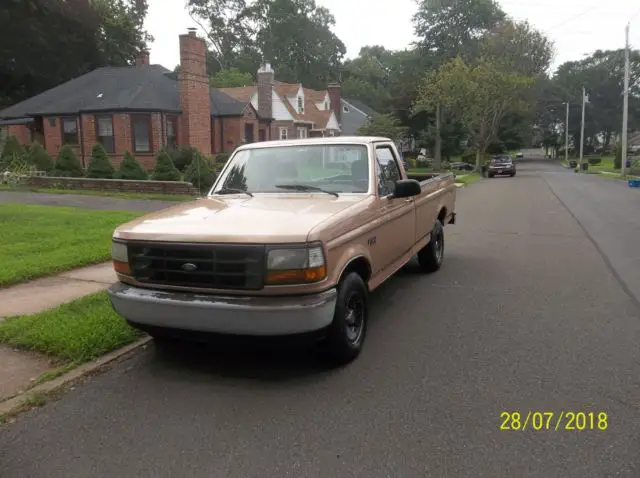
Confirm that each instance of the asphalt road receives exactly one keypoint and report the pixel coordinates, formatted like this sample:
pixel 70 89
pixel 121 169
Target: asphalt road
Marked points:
pixel 528 313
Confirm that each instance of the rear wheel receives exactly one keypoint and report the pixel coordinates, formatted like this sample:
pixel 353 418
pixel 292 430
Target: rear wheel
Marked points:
pixel 347 331
pixel 431 256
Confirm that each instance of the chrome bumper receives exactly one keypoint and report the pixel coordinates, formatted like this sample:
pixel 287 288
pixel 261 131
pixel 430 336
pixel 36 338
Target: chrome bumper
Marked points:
pixel 261 316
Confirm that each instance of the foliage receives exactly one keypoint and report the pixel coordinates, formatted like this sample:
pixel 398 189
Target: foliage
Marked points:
pixel 100 165
pixel 295 35
pixel 594 160
pixel 230 78
pixel 92 34
pixel 200 173
pixel 12 150
pixel 387 126
pixel 479 96
pixel 130 168
pixel 40 158
pixel 617 160
pixel 450 28
pixel 164 169
pixel 67 164
pixel 182 156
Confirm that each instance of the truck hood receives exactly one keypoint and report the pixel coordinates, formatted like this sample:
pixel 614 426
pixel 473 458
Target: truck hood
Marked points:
pixel 262 218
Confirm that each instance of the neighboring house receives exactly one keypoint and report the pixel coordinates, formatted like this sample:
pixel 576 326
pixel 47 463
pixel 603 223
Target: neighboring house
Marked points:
pixel 139 109
pixel 297 112
pixel 634 142
pixel 355 114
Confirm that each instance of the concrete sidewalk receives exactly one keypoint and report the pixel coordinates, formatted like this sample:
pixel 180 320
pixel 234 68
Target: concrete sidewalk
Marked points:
pixel 48 292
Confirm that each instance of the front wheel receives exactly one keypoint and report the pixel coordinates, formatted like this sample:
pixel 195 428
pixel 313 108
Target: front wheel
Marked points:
pixel 431 256
pixel 348 329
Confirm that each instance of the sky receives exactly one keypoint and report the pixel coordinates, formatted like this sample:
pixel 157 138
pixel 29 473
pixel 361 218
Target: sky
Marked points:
pixel 577 27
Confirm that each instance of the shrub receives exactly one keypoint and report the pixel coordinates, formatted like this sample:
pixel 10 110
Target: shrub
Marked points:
pixel 130 168
pixel 182 156
pixel 165 170
pixel 617 160
pixel 67 164
pixel 468 157
pixel 594 160
pixel 12 151
pixel 100 165
pixel 40 158
pixel 200 173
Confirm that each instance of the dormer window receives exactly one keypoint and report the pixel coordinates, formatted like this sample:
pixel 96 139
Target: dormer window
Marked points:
pixel 300 105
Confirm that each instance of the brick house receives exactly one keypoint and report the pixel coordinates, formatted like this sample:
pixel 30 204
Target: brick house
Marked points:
pixel 297 112
pixel 138 109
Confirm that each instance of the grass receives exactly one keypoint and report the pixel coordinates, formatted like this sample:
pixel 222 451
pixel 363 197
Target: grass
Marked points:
pixel 37 241
pixel 75 332
pixel 86 192
pixel 468 178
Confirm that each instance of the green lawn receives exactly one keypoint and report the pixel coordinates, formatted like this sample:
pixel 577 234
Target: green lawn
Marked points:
pixel 86 192
pixel 42 240
pixel 74 333
pixel 467 178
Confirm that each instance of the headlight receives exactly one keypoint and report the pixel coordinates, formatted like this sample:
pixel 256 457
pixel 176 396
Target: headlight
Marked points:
pixel 120 257
pixel 302 264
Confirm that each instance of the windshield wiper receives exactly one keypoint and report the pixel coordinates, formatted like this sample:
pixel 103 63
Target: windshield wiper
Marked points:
pixel 304 187
pixel 232 191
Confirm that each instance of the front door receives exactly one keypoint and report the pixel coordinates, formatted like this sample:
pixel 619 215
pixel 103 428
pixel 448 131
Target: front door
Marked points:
pixel 396 234
pixel 248 133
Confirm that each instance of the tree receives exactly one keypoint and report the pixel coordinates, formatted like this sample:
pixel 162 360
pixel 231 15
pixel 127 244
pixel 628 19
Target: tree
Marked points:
pixel 100 165
pixel 13 150
pixel 230 78
pixel 450 28
pixel 387 126
pixel 131 169
pixel 92 34
pixel 479 96
pixel 67 164
pixel 164 169
pixel 40 158
pixel 200 173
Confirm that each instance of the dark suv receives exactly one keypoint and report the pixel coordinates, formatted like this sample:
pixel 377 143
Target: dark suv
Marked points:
pixel 501 165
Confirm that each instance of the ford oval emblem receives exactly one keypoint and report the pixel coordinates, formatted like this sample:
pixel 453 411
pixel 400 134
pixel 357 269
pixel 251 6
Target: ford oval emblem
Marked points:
pixel 189 267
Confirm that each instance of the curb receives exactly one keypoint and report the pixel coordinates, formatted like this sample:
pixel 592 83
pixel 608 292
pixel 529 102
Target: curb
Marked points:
pixel 14 403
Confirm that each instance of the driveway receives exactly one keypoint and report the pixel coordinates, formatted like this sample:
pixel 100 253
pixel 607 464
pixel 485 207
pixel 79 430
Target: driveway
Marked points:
pixel 84 201
pixel 526 314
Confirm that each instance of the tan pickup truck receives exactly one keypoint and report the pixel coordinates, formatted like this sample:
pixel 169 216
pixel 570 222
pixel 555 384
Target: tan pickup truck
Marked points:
pixel 291 239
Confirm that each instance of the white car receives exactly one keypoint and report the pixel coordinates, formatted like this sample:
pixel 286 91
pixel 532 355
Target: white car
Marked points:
pixel 519 155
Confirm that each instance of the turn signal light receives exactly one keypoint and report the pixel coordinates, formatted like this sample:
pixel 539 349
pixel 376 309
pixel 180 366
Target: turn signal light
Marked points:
pixel 298 276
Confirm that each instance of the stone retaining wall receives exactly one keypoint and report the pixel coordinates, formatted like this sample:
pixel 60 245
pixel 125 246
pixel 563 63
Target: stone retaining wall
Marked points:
pixel 114 185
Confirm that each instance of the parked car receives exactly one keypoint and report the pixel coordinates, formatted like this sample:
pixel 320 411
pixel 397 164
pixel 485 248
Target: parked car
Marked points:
pixel 519 155
pixel 282 245
pixel 501 165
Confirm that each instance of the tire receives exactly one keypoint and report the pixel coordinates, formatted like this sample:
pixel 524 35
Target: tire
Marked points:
pixel 513 174
pixel 346 333
pixel 431 256
pixel 490 175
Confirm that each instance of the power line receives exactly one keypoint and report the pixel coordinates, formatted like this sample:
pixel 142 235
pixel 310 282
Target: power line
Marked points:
pixel 575 17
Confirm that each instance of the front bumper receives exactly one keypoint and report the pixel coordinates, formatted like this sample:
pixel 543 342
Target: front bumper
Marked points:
pixel 260 316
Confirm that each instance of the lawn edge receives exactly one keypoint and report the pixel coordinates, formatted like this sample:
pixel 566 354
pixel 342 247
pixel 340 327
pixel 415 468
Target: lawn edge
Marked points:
pixel 19 403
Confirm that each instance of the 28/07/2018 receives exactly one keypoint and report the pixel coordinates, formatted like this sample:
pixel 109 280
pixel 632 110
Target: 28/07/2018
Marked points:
pixel 568 421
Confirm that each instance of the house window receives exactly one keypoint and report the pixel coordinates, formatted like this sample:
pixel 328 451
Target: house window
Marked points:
pixel 283 133
pixel 345 109
pixel 172 131
pixel 69 131
pixel 141 126
pixel 300 105
pixel 302 132
pixel 104 133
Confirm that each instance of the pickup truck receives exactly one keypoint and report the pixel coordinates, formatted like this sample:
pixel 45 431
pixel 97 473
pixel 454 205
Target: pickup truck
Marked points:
pixel 290 241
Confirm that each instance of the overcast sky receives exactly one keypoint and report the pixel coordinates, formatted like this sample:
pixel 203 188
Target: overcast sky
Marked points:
pixel 577 27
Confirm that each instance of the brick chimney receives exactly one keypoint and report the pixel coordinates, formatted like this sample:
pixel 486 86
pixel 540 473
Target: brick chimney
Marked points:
pixel 195 99
pixel 334 95
pixel 266 78
pixel 142 59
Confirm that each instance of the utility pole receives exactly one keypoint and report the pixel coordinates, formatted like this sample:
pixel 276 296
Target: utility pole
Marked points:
pixel 584 100
pixel 566 135
pixel 625 104
pixel 438 152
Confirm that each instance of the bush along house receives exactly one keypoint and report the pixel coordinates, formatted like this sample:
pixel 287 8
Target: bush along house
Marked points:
pixel 139 109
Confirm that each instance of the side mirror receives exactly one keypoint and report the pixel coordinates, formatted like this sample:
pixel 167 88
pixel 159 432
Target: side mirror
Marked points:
pixel 406 188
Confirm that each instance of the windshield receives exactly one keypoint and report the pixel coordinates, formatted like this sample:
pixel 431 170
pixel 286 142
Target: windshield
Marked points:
pixel 503 160
pixel 295 169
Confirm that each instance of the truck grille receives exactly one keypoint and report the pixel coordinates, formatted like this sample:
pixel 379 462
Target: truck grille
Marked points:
pixel 212 266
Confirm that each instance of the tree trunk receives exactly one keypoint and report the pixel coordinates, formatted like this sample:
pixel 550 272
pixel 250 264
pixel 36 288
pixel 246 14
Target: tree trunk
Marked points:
pixel 478 156
pixel 437 160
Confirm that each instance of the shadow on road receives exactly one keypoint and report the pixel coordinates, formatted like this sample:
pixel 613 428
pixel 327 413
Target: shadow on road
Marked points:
pixel 265 359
